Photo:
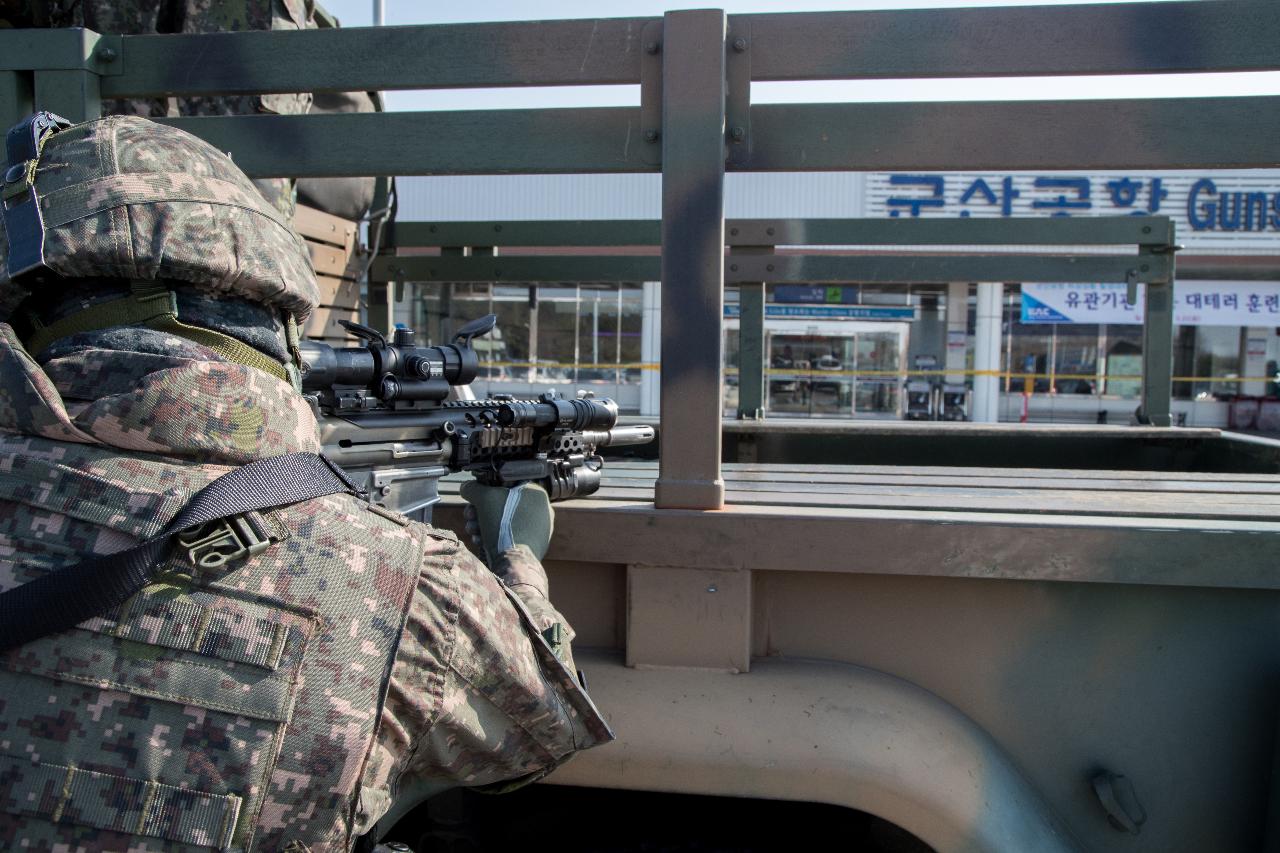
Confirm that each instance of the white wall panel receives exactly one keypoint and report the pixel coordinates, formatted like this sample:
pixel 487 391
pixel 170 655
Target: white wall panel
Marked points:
pixel 486 197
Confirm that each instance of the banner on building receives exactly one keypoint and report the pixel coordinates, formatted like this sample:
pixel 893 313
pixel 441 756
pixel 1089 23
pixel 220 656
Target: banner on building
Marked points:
pixel 830 312
pixel 1195 303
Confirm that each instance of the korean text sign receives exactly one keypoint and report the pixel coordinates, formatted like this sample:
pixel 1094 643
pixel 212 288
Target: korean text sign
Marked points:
pixel 1195 303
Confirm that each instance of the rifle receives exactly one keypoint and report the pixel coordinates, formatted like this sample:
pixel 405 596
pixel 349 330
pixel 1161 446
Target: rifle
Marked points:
pixel 386 417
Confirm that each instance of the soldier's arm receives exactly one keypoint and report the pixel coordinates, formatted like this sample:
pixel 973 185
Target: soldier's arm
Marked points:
pixel 474 699
pixel 521 571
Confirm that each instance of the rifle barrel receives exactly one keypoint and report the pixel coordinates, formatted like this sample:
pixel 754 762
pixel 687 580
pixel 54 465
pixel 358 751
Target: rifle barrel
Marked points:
pixel 620 436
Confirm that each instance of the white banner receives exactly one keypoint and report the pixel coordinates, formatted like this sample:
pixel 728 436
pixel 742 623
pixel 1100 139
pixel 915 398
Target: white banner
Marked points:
pixel 1195 303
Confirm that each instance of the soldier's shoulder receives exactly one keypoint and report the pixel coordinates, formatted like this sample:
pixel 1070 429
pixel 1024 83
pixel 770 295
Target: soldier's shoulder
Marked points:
pixel 357 511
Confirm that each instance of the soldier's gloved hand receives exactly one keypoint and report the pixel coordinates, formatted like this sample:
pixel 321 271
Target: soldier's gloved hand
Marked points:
pixel 499 519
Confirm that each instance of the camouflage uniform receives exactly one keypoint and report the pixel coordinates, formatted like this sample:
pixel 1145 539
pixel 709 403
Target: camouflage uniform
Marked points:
pixel 283 701
pixel 142 17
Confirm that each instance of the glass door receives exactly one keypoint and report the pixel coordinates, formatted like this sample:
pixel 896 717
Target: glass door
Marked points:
pixel 878 380
pixel 831 362
pixel 810 374
pixel 841 369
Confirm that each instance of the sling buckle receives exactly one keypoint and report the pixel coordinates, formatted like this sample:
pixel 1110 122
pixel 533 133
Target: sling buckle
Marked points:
pixel 218 542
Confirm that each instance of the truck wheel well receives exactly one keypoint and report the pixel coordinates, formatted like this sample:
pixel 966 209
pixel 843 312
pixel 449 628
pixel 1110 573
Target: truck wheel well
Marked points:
pixel 571 819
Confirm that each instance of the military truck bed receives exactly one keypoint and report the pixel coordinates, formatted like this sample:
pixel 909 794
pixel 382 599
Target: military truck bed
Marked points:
pixel 1055 609
pixel 1128 526
pixel 1016 490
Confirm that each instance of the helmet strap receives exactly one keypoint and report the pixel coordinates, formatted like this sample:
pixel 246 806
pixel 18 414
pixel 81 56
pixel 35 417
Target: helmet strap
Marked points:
pixel 291 338
pixel 155 306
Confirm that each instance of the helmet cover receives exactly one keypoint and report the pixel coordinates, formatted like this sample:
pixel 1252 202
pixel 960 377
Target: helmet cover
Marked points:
pixel 125 197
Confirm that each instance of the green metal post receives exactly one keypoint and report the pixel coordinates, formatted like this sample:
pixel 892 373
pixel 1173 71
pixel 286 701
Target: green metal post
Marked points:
pixel 752 357
pixel 751 353
pixel 378 298
pixel 532 371
pixel 1157 355
pixel 447 323
pixel 15 97
pixel 74 95
pixel 379 313
pixel 693 158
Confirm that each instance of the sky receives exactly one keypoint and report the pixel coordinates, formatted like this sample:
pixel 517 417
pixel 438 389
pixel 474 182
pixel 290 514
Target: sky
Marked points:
pixel 360 13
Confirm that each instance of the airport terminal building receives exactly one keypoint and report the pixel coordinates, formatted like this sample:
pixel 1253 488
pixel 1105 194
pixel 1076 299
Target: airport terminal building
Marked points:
pixel 1065 353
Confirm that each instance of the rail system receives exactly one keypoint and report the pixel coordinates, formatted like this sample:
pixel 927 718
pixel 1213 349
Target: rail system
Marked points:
pixel 695 70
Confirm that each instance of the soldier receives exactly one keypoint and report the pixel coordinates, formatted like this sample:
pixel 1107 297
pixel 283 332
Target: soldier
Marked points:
pixel 283 674
pixel 143 17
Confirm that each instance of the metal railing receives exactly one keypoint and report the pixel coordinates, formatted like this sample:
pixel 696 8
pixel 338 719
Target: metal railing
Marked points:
pixel 888 251
pixel 695 70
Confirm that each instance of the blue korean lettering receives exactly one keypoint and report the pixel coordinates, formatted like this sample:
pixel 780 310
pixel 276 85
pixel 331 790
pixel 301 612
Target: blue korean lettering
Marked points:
pixel 1158 194
pixel 1211 300
pixel 1273 303
pixel 1124 192
pixel 1193 299
pixel 1230 300
pixel 1073 299
pixel 915 204
pixel 1091 301
pixel 1004 198
pixel 1063 205
pixel 978 186
pixel 1254 303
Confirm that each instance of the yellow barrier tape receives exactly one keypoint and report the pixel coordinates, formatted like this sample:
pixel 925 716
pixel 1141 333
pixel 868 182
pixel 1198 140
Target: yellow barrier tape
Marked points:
pixel 827 374
pixel 559 365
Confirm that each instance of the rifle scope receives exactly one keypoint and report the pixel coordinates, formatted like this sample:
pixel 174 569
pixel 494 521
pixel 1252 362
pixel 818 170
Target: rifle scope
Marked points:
pixel 397 369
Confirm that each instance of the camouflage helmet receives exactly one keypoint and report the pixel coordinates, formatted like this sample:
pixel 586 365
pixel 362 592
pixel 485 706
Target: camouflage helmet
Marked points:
pixel 125 197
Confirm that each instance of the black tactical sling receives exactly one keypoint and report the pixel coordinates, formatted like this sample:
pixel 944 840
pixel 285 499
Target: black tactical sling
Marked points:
pixel 68 596
pixel 19 206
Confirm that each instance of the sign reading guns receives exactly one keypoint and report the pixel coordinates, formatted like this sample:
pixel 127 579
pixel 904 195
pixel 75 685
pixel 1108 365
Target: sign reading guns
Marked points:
pixel 1195 303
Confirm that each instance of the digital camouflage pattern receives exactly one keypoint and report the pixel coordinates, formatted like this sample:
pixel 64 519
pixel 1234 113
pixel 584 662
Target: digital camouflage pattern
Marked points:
pixel 285 699
pixel 141 17
pixel 217 709
pixel 128 198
